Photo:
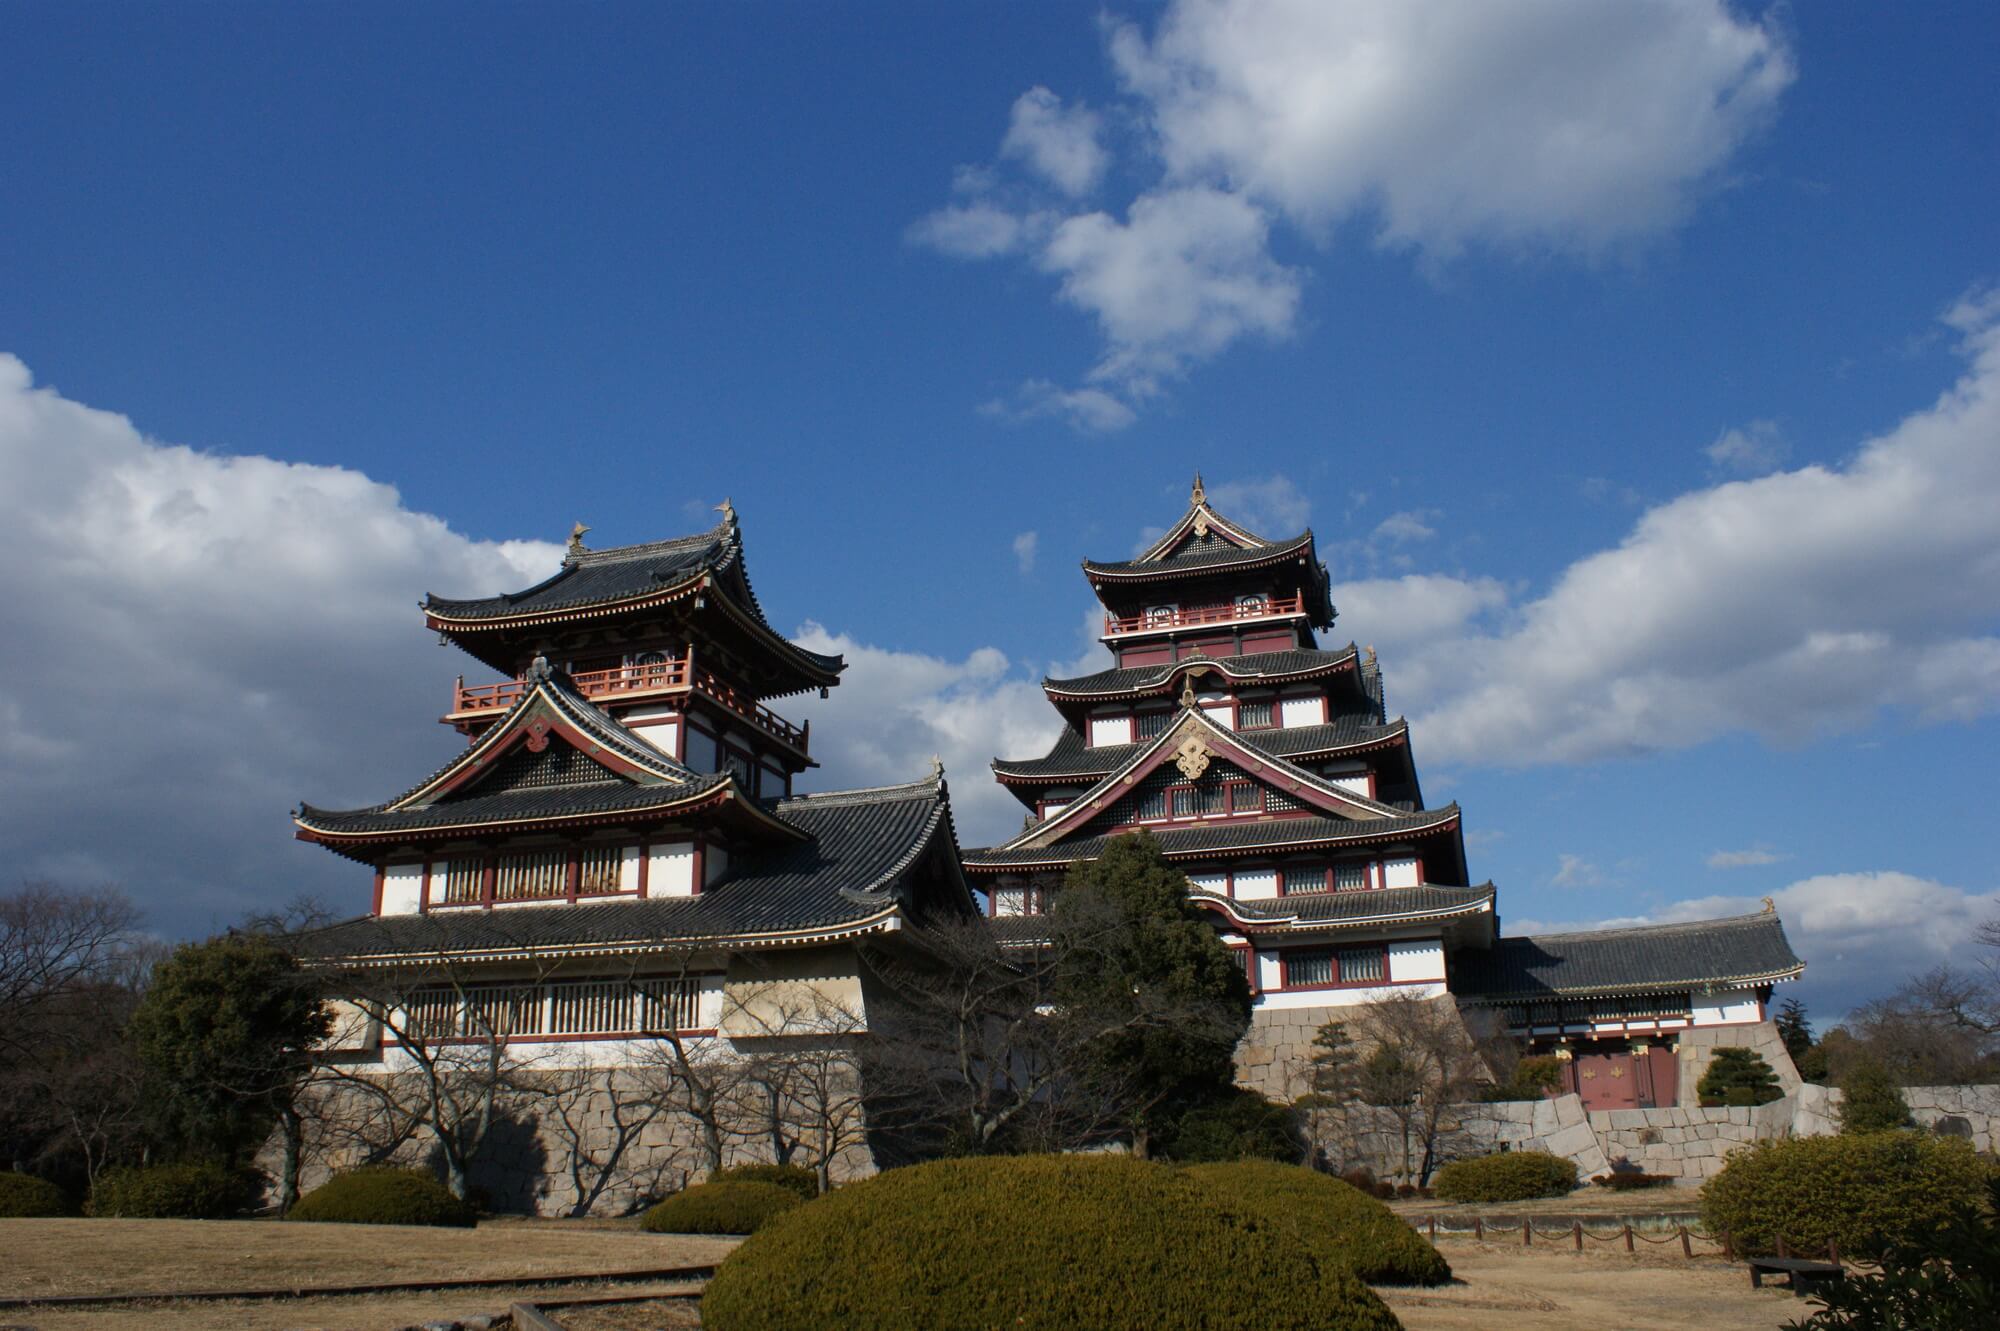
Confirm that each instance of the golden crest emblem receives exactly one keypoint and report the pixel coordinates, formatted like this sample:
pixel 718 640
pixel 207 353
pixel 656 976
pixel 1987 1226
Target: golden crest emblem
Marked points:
pixel 1192 758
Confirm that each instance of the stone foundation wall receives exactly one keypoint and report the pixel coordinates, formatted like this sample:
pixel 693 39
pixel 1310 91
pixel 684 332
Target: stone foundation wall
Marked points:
pixel 1698 1045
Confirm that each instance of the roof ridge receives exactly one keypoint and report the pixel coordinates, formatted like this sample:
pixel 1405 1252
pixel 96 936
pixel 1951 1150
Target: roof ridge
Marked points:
pixel 927 786
pixel 613 553
pixel 1660 927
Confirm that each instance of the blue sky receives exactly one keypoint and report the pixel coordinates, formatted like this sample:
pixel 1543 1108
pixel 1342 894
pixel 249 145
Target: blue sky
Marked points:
pixel 1633 364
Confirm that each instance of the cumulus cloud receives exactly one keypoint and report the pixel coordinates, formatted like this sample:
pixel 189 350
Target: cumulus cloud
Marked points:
pixel 1089 410
pixel 1789 606
pixel 1273 507
pixel 1751 449
pixel 1059 143
pixel 1860 934
pixel 1752 858
pixel 1567 125
pixel 1576 871
pixel 1411 525
pixel 196 642
pixel 1024 550
pixel 895 710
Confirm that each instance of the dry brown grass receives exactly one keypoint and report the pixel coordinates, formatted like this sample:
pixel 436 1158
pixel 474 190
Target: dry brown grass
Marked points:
pixel 45 1257
pixel 1584 1201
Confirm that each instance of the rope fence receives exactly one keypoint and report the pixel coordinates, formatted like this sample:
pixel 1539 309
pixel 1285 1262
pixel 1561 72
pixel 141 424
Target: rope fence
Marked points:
pixel 1575 1234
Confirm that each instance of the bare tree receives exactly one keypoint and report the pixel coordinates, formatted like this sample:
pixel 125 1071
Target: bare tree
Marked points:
pixel 54 940
pixel 695 1077
pixel 806 1074
pixel 1423 1064
pixel 600 1164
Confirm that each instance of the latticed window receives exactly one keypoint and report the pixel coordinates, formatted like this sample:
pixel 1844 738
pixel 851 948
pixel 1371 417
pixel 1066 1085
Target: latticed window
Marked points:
pixel 1350 877
pixel 597 869
pixel 431 1014
pixel 1253 715
pixel 1308 968
pixel 464 881
pixel 531 875
pixel 1300 879
pixel 1253 603
pixel 1363 965
pixel 1357 965
pixel 1150 725
pixel 1246 798
pixel 492 1011
pixel 1276 801
pixel 1152 804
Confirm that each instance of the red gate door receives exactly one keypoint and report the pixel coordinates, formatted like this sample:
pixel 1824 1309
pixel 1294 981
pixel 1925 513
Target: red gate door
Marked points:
pixel 1606 1081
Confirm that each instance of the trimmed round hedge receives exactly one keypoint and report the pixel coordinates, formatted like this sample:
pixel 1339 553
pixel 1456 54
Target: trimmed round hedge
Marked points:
pixel 1034 1242
pixel 721 1208
pixel 1864 1193
pixel 382 1196
pixel 1335 1220
pixel 25 1197
pixel 172 1192
pixel 796 1177
pixel 1510 1176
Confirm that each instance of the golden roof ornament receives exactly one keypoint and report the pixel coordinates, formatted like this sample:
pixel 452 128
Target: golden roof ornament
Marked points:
pixel 1770 906
pixel 1192 758
pixel 728 511
pixel 1199 499
pixel 1200 495
pixel 1187 690
pixel 576 540
pixel 1371 656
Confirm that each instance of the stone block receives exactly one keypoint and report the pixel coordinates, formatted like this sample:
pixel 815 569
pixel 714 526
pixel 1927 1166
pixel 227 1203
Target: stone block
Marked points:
pixel 1629 1118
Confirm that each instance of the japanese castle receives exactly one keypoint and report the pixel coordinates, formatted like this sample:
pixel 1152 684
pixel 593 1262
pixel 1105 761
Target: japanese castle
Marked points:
pixel 623 843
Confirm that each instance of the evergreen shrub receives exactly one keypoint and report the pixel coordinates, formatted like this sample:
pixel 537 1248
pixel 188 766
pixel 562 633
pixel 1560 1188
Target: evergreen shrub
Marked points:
pixel 23 1197
pixel 1871 1101
pixel 1864 1193
pixel 1034 1242
pixel 1627 1181
pixel 1237 1124
pixel 1510 1176
pixel 383 1196
pixel 190 1191
pixel 1948 1281
pixel 795 1177
pixel 1534 1077
pixel 1737 1077
pixel 721 1208
pixel 1336 1221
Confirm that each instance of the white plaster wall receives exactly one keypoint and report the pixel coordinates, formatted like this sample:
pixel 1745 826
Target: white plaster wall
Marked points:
pixel 1285 999
pixel 700 751
pixel 1217 883
pixel 1301 712
pixel 1010 901
pixel 662 735
pixel 1270 974
pixel 671 873
pixel 1419 960
pixel 402 889
pixel 1257 885
pixel 1110 730
pixel 1399 873
pixel 628 869
pixel 1729 1008
pixel 1357 785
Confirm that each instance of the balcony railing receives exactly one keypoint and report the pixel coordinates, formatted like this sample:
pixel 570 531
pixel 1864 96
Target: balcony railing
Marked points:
pixel 473 701
pixel 1163 617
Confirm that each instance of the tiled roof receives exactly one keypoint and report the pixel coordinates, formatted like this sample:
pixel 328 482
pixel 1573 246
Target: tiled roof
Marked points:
pixel 554 802
pixel 860 845
pixel 1274 666
pixel 1071 757
pixel 1277 834
pixel 1743 949
pixel 1307 910
pixel 1201 553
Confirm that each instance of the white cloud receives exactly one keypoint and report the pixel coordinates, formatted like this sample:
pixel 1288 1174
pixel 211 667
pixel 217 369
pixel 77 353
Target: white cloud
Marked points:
pixel 1564 124
pixel 894 710
pixel 1184 275
pixel 196 642
pixel 1751 449
pixel 1273 507
pixel 1860 934
pixel 1411 525
pixel 1754 857
pixel 1024 550
pixel 1090 410
pixel 1058 142
pixel 1576 871
pixel 1788 606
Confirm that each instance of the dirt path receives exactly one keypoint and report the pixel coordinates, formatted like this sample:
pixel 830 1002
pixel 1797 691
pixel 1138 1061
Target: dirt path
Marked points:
pixel 1549 1289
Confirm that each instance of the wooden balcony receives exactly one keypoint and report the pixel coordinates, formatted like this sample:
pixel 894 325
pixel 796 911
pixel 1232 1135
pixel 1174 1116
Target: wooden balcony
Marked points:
pixel 1263 607
pixel 477 702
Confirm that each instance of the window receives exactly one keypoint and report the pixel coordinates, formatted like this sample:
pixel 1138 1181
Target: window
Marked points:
pixel 1211 799
pixel 464 882
pixel 1152 805
pixel 1246 798
pixel 1299 879
pixel 1253 603
pixel 1354 965
pixel 531 875
pixel 738 766
pixel 1150 725
pixel 597 869
pixel 1160 616
pixel 1361 966
pixel 1254 715
pixel 1350 877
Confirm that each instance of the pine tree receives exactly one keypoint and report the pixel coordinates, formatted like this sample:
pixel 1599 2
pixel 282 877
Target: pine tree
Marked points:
pixel 1871 1101
pixel 1794 1029
pixel 1738 1076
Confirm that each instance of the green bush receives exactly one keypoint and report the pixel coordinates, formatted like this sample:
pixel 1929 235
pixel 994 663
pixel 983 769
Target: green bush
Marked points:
pixel 795 1177
pixel 1946 1282
pixel 1034 1242
pixel 1333 1219
pixel 1534 1077
pixel 1736 1077
pixel 1864 1193
pixel 381 1196
pixel 721 1208
pixel 1871 1101
pixel 23 1196
pixel 1628 1181
pixel 1510 1176
pixel 196 1191
pixel 1236 1125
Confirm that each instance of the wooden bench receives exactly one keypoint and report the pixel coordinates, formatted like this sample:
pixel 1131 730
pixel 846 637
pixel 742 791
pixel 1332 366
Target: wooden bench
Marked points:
pixel 1805 1275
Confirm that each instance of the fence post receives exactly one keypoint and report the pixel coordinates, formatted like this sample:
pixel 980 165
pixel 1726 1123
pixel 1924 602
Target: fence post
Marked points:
pixel 1687 1248
pixel 1628 1236
pixel 1783 1250
pixel 1833 1252
pixel 1578 1230
pixel 1479 1229
pixel 1527 1232
pixel 1434 1229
